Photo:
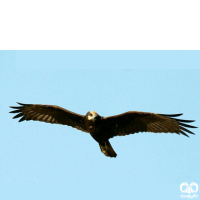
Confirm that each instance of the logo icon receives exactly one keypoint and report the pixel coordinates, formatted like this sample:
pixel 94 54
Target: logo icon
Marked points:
pixel 192 188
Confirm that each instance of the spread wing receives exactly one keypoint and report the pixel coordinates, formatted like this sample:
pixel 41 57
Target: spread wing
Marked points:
pixel 49 114
pixel 134 122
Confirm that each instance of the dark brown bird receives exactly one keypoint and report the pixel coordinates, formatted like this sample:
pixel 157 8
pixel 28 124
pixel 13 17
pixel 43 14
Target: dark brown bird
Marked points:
pixel 104 128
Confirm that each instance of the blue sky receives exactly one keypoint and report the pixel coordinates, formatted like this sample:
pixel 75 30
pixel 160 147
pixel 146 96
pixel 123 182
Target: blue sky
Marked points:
pixel 40 160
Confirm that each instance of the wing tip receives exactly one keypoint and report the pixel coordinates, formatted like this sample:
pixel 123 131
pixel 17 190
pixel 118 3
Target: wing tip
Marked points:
pixel 182 123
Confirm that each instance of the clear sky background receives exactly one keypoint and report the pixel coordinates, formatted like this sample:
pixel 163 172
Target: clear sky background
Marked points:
pixel 45 161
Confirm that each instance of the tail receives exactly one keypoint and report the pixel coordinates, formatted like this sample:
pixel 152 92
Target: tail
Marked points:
pixel 107 149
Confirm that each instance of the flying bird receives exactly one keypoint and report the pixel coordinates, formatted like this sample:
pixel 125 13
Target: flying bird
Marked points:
pixel 103 128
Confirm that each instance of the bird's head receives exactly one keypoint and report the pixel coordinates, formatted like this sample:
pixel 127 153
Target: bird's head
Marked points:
pixel 92 115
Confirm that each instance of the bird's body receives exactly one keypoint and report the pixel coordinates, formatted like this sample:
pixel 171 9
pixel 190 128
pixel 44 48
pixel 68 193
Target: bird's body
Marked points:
pixel 104 128
pixel 96 126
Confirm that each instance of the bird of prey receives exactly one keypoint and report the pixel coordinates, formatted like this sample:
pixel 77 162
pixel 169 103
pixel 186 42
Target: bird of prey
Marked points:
pixel 104 128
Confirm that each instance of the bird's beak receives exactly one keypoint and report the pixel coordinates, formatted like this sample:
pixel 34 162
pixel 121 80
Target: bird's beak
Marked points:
pixel 95 118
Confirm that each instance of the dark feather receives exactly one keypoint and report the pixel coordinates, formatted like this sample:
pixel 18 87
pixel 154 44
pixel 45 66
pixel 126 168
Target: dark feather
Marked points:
pixel 187 121
pixel 19 115
pixel 186 125
pixel 172 115
pixel 183 133
pixel 15 111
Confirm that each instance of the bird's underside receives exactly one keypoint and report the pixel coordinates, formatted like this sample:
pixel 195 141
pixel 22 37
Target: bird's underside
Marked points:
pixel 104 128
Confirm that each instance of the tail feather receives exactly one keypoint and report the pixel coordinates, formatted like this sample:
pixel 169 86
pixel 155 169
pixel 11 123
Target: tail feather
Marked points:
pixel 107 149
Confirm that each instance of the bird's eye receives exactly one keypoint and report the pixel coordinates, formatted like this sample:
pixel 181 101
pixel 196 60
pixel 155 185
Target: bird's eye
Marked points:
pixel 90 115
